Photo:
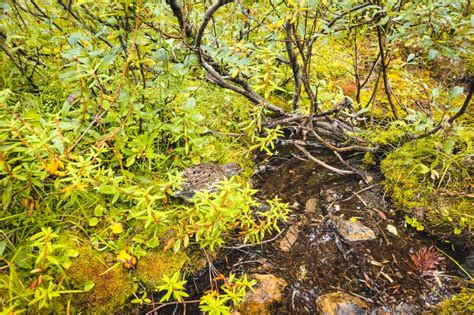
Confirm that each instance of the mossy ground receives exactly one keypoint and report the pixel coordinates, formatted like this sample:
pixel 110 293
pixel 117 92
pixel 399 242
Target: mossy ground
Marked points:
pixel 112 287
pixel 156 264
pixel 431 180
pixel 462 303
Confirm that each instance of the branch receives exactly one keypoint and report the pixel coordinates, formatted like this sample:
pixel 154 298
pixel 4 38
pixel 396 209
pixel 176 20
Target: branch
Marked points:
pixel 383 68
pixel 183 22
pixel 216 74
pixel 461 111
pixel 294 65
pixel 329 167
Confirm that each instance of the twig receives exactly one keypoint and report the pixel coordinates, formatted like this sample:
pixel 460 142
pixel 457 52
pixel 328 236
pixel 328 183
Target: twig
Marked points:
pixel 171 303
pixel 329 167
pixel 249 245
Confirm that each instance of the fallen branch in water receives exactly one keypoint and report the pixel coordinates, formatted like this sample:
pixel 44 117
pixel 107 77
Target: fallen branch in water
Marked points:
pixel 319 162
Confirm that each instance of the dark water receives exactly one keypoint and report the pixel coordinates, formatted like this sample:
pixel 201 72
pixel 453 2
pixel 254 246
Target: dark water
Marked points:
pixel 379 271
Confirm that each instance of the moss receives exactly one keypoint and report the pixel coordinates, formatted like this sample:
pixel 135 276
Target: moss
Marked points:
pixel 369 159
pixel 385 135
pixel 429 179
pixel 155 265
pixel 462 303
pixel 111 289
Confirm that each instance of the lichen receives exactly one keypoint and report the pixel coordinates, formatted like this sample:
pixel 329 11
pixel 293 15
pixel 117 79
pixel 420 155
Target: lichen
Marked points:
pixel 112 287
pixel 156 264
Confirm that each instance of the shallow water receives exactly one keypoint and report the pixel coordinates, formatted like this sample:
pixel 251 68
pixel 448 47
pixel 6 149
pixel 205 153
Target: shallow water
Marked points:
pixel 320 261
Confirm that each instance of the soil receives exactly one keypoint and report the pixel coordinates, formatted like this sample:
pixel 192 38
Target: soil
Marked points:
pixel 320 261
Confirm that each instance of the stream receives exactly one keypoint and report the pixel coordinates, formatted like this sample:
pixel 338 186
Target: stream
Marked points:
pixel 312 257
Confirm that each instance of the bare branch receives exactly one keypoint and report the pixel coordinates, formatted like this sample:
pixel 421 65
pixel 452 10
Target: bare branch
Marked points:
pixel 461 111
pixel 217 75
pixel 319 162
pixel 294 65
pixel 383 69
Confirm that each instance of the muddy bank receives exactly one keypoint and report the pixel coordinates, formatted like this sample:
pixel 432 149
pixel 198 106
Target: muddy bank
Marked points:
pixel 314 256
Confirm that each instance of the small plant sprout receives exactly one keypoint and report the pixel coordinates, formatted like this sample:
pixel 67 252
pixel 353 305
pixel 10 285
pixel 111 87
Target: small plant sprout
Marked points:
pixel 173 287
pixel 426 260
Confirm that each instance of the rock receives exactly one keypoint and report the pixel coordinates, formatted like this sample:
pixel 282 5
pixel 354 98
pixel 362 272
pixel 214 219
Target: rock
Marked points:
pixel 205 176
pixel 268 291
pixel 341 303
pixel 329 196
pixel 302 272
pixel 469 262
pixel 289 238
pixel 400 309
pixel 354 231
pixel 311 205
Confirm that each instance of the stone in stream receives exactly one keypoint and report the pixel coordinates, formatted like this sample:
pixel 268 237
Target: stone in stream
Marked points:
pixel 289 238
pixel 205 176
pixel 354 231
pixel 312 206
pixel 268 291
pixel 469 262
pixel 341 303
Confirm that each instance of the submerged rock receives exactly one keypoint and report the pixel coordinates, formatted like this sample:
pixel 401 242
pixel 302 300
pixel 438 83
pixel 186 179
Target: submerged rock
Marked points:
pixel 290 238
pixel 269 291
pixel 354 231
pixel 469 262
pixel 400 309
pixel 341 303
pixel 312 206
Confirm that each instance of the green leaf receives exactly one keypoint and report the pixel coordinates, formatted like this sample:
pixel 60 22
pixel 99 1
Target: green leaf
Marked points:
pixel 455 92
pixel 432 54
pixel 435 93
pixel 93 221
pixel 98 211
pixel 88 285
pixel 153 242
pixel 3 245
pixel 190 104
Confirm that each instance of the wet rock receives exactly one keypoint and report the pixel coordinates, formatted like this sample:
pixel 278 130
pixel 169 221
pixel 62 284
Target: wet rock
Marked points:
pixel 312 206
pixel 400 309
pixel 341 303
pixel 302 272
pixel 469 262
pixel 354 231
pixel 268 291
pixel 329 196
pixel 289 238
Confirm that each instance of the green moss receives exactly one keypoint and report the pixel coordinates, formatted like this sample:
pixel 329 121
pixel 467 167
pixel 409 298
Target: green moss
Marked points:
pixel 427 179
pixel 155 265
pixel 111 289
pixel 369 159
pixel 462 303
pixel 385 135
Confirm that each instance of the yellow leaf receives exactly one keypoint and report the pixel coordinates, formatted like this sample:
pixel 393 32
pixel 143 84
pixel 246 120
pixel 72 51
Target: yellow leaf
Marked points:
pixel 117 228
pixel 353 220
pixel 129 261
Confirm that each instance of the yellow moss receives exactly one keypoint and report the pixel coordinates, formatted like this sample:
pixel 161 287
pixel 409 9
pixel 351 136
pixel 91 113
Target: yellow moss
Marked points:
pixel 462 303
pixel 155 265
pixel 111 289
